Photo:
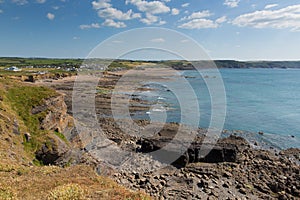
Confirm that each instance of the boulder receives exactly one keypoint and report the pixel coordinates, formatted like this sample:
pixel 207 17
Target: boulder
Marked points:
pixel 223 151
pixel 53 152
pixel 27 136
pixel 16 127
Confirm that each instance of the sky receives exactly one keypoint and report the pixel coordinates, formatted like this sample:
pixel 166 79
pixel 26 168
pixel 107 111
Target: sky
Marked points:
pixel 226 29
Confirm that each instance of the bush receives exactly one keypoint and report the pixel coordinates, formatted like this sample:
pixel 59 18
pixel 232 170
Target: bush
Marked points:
pixel 7 194
pixel 67 192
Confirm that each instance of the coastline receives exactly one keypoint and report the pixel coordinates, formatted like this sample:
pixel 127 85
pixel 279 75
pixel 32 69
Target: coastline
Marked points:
pixel 251 172
pixel 108 82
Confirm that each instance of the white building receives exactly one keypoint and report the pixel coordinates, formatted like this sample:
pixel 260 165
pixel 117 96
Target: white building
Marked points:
pixel 14 69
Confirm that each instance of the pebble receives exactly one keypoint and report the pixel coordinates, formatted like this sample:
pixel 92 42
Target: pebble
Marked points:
pixel 242 191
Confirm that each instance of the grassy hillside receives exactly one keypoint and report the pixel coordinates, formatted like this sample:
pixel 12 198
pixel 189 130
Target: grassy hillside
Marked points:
pixel 20 178
pixel 7 61
pixel 128 64
pixel 18 99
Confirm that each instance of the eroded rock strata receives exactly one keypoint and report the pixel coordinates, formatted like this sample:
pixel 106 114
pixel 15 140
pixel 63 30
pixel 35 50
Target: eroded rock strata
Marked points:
pixel 232 170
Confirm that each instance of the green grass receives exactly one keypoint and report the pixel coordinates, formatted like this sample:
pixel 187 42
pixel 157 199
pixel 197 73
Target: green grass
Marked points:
pixel 37 162
pixel 8 61
pixel 22 99
pixel 118 65
pixel 61 136
pixel 101 90
pixel 6 194
pixel 28 72
pixel 67 192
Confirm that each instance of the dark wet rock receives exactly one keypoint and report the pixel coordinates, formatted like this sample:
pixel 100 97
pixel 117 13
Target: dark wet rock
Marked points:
pixel 243 191
pixel 260 133
pixel 227 174
pixel 292 153
pixel 223 151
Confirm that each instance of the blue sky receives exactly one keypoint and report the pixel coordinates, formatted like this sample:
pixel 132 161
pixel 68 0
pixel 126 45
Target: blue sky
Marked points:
pixel 226 29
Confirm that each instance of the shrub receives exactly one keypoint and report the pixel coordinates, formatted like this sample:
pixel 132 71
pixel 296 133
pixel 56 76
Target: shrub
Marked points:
pixel 67 192
pixel 7 194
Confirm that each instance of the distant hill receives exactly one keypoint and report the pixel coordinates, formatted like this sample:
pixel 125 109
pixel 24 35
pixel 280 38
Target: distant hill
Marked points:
pixel 128 64
pixel 257 64
pixel 185 65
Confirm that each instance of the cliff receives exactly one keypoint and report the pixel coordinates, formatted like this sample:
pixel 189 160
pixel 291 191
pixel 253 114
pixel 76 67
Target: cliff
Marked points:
pixel 33 121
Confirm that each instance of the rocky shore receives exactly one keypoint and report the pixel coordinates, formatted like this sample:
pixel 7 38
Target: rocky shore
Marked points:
pixel 234 169
pixel 248 174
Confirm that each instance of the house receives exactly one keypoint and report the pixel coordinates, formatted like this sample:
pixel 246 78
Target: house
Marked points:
pixel 42 72
pixel 14 69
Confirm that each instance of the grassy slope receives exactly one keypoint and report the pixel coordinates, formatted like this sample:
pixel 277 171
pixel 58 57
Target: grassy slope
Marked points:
pixel 7 61
pixel 22 99
pixel 20 180
pixel 49 182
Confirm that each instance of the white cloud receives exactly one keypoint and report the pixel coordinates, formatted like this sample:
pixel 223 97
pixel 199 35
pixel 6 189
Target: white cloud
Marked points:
pixel 221 20
pixel 161 22
pixel 197 15
pixel 113 13
pixel 271 6
pixel 89 26
pixel 76 38
pixel 55 7
pixel 152 7
pixel 101 4
pixel 158 40
pixel 175 11
pixel 185 5
pixel 232 3
pixel 41 1
pixel 198 20
pixel 150 19
pixel 1 1
pixel 50 16
pixel 20 2
pixel 288 17
pixel 112 23
pixel 107 11
pixel 1 11
pixel 199 24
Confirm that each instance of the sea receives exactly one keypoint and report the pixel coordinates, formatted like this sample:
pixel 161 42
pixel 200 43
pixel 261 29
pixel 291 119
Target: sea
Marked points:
pixel 257 100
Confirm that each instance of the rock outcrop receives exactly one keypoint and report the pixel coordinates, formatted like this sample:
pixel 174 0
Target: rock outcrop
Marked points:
pixel 55 115
pixel 55 118
pixel 226 150
pixel 254 174
pixel 54 152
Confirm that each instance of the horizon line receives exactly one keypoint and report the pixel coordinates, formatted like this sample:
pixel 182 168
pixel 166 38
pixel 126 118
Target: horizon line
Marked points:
pixel 147 60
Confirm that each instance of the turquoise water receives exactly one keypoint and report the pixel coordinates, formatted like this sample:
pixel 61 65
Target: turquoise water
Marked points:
pixel 265 100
